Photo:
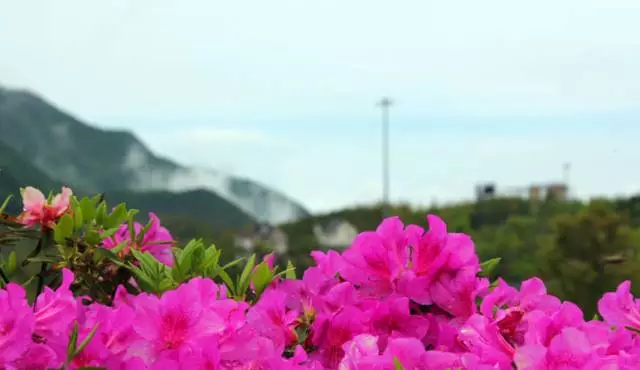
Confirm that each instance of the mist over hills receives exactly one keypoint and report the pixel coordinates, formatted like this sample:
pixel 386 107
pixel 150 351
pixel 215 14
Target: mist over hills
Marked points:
pixel 45 146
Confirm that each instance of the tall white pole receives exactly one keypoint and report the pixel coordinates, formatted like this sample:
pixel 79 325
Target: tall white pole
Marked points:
pixel 384 104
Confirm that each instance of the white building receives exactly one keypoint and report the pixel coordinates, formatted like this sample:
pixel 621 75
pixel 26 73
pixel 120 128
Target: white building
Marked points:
pixel 263 234
pixel 337 234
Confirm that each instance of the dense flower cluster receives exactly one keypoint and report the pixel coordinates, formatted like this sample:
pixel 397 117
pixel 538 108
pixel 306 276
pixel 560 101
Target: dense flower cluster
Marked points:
pixel 399 297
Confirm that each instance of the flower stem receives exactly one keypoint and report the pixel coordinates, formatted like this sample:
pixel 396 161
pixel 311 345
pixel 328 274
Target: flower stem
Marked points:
pixel 43 244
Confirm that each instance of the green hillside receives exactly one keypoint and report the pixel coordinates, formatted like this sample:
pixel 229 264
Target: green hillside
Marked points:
pixel 15 172
pixel 94 160
pixel 66 148
pixel 185 210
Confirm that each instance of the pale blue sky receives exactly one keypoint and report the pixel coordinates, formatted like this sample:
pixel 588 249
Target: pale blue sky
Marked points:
pixel 284 91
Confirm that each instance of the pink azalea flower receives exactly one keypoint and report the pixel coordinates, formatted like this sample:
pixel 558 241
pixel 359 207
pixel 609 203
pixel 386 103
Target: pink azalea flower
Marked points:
pixel 392 318
pixel 37 210
pixel 456 292
pixel 328 263
pixel 113 337
pixel 55 312
pixel 499 296
pixel 201 358
pixel 570 349
pixel 269 359
pixel 543 326
pixel 363 353
pixel 510 309
pixel 443 333
pixel 157 240
pixel 36 357
pixel 437 255
pixel 620 308
pixel 330 332
pixel 433 267
pixel 335 299
pixel 270 319
pixel 16 323
pixel 242 346
pixel 408 351
pixel 298 297
pixel 375 260
pixel 607 340
pixel 176 321
pixel 437 360
pixel 482 338
pixel 361 349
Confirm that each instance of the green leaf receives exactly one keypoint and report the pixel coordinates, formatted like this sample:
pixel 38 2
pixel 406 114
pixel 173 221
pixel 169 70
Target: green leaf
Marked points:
pixel 111 256
pixel 109 233
pixel 132 213
pixel 4 279
pixel 77 218
pixel 5 203
pixel 92 237
pixel 198 260
pixel 631 328
pixel 302 334
pixel 152 268
pixel 117 217
pixel 12 264
pixel 210 262
pixel 144 281
pixel 131 224
pixel 283 272
pixel 233 263
pixel 185 259
pixel 227 280
pixel 494 284
pixel 290 271
pixel 97 199
pixel 29 281
pixel 596 317
pixel 144 230
pixel 73 342
pixel 43 259
pixel 261 277
pixel 487 267
pixel 166 284
pixel 132 229
pixel 88 207
pixel 176 273
pixel 243 281
pixel 397 364
pixel 101 213
pixel 118 248
pixel 63 229
pixel 86 340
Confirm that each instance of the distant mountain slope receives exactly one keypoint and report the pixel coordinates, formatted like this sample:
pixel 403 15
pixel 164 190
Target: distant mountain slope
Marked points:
pixel 201 205
pixel 15 173
pixel 96 160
